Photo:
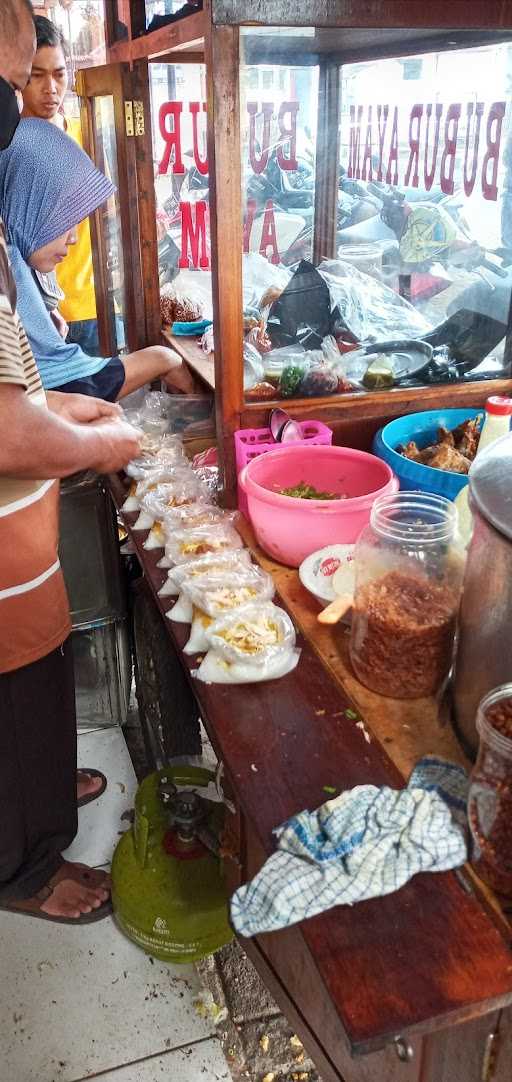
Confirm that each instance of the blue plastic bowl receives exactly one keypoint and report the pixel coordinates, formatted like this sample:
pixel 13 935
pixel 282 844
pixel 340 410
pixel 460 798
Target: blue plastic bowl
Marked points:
pixel 422 428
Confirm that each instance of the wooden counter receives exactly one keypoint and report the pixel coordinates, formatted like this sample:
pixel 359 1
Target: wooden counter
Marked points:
pixel 435 954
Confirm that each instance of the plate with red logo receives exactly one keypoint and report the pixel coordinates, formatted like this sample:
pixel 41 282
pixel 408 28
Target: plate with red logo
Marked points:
pixel 329 572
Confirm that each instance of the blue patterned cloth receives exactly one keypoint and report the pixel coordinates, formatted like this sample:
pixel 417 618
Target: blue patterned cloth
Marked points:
pixel 365 843
pixel 48 185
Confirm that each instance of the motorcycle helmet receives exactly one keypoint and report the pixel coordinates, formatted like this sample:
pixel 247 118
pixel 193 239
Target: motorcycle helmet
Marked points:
pixel 428 234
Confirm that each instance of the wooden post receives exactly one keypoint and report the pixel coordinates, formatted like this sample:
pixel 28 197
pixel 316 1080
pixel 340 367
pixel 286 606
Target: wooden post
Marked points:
pixel 327 162
pixel 224 154
pixel 147 206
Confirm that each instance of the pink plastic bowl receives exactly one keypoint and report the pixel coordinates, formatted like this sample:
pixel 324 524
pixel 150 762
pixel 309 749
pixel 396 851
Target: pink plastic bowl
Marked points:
pixel 290 529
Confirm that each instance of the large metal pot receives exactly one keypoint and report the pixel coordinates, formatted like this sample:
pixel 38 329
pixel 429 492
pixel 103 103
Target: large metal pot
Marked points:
pixel 484 654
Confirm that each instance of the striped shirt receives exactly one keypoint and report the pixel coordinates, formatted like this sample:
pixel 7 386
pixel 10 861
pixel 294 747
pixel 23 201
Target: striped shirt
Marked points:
pixel 34 612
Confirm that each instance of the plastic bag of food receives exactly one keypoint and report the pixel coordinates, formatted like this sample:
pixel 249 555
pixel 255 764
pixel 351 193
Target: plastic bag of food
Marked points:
pixel 367 308
pixel 253 366
pixel 210 476
pixel 186 517
pixel 178 305
pixel 189 516
pixel 194 288
pixel 168 451
pixel 213 595
pixel 161 474
pixel 232 560
pixel 151 473
pixel 258 276
pixel 184 492
pixel 155 412
pixel 208 341
pixel 248 645
pixel 183 545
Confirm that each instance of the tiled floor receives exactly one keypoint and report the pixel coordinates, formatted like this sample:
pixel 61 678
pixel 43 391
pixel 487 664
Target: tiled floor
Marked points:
pixel 82 1002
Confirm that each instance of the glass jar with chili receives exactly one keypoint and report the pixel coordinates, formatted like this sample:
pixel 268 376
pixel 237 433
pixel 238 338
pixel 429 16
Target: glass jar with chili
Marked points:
pixel 490 792
pixel 409 567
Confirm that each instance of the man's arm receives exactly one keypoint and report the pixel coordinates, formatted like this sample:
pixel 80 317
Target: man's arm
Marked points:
pixel 37 443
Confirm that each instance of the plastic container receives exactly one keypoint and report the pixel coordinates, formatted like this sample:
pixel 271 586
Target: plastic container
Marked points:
pixel 490 792
pixel 422 428
pixel 409 570
pixel 290 529
pixel 251 442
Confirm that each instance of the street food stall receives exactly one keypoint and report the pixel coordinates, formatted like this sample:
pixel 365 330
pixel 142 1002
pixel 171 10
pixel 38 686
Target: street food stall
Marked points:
pixel 328 187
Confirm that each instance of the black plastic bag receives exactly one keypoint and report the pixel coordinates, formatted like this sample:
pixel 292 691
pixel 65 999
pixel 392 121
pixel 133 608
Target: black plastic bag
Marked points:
pixel 302 314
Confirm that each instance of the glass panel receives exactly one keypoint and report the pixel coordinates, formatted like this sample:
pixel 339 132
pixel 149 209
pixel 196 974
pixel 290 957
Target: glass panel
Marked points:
pixel 178 114
pixel 110 216
pixel 425 178
pixel 157 10
pixel 413 241
pixel 83 26
pixel 279 105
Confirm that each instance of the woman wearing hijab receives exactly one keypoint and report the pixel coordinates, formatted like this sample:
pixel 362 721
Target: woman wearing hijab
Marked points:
pixel 48 185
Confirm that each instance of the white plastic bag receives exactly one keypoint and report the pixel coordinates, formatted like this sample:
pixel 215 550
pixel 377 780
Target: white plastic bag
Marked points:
pixel 370 310
pixel 248 645
pixel 157 451
pixel 173 474
pixel 185 545
pixel 186 518
pixel 213 595
pixel 185 492
pixel 232 559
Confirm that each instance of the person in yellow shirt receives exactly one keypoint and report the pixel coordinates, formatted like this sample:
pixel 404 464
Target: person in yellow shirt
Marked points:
pixel 43 98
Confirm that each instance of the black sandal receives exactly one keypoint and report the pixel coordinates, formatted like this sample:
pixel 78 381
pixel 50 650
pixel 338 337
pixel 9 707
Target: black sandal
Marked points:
pixel 89 797
pixel 31 907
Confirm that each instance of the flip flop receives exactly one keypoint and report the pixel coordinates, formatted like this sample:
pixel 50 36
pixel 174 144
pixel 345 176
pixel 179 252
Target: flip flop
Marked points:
pixel 89 797
pixel 80 873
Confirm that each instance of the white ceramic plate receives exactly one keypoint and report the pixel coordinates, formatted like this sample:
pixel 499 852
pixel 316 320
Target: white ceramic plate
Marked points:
pixel 317 571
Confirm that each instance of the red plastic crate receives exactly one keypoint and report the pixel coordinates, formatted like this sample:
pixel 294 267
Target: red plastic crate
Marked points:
pixel 251 442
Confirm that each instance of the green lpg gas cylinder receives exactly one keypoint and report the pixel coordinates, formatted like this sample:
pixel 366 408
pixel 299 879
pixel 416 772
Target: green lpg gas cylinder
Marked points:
pixel 168 892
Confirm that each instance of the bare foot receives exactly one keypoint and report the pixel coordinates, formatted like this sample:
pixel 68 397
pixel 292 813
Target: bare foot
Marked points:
pixel 86 785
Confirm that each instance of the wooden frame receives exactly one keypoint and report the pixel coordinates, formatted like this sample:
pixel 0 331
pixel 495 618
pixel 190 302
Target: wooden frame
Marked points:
pixel 114 80
pixel 397 28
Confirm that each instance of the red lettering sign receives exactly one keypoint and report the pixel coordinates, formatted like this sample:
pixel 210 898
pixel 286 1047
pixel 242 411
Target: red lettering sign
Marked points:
pixel 492 154
pixel 423 143
pixel 193 236
pixel 172 137
pixel 414 146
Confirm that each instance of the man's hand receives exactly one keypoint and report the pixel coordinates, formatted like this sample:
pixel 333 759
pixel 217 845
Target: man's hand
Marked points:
pixel 38 444
pixel 60 322
pixel 120 442
pixel 81 408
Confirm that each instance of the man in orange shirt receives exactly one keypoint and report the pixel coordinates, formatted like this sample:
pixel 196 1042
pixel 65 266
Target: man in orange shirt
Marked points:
pixel 43 98
pixel 44 437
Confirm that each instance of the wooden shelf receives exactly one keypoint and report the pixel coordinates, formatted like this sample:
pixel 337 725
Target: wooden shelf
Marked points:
pixel 353 16
pixel 200 363
pixel 177 38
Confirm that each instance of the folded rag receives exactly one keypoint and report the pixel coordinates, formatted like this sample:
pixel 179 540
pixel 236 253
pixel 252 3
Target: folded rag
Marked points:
pixel 365 843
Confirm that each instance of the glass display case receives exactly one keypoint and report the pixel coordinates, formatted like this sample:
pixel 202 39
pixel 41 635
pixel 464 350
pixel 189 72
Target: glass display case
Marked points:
pixel 404 279
pixel 335 198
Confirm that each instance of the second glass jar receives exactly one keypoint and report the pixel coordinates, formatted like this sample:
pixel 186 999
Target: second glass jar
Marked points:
pixel 409 571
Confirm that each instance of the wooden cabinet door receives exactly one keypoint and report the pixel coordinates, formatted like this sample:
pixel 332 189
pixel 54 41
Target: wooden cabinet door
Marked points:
pixel 110 123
